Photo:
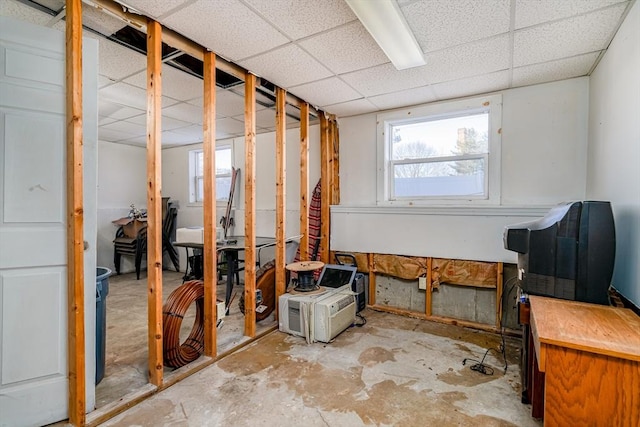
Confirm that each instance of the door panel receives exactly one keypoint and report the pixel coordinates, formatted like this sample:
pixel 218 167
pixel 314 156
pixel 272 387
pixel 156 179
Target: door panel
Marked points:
pixel 33 260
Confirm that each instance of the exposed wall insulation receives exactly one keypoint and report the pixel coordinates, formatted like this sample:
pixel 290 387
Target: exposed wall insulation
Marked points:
pixel 462 272
pixel 404 267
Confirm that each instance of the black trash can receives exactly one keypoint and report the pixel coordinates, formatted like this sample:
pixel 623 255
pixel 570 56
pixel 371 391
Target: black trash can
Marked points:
pixel 102 290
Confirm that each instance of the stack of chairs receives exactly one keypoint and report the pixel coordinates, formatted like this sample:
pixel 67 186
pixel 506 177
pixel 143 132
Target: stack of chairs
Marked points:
pixel 137 246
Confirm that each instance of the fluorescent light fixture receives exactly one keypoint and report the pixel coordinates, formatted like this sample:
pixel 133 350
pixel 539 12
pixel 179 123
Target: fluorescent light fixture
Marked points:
pixel 386 24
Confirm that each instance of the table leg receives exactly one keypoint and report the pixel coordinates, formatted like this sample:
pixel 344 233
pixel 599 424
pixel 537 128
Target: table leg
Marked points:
pixel 232 259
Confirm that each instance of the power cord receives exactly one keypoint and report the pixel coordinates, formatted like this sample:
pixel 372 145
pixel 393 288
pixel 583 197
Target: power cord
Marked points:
pixel 480 366
pixel 363 321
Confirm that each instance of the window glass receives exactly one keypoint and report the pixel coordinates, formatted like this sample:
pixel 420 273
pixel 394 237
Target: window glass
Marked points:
pixel 443 152
pixel 223 174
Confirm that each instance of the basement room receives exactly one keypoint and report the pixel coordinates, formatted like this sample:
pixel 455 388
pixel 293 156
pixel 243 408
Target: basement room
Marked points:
pixel 321 213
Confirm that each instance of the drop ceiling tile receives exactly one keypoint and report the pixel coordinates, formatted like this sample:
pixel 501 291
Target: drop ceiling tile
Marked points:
pixel 444 23
pixel 176 84
pixel 326 92
pixel 344 49
pixel 194 132
pixel 351 108
pixel 385 79
pixel 461 61
pixel 133 129
pixel 472 86
pixel 229 126
pixel 569 37
pixel 229 104
pixel 555 70
pixel 287 66
pixel 128 95
pixel 227 27
pixel 126 112
pixel 21 12
pixel 419 95
pixel 173 138
pixel 468 60
pixel 535 12
pixel 185 112
pixel 168 123
pixel 125 94
pixel 100 21
pixel 117 62
pixel 155 8
pixel 106 108
pixel 104 81
pixel 304 17
pixel 140 141
pixel 105 120
pixel 113 135
pixel 265 118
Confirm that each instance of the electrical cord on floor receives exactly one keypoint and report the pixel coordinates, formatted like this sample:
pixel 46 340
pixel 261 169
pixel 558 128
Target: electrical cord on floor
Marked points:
pixel 363 321
pixel 480 366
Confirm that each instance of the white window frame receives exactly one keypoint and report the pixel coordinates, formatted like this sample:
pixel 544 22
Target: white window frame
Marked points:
pixel 492 104
pixel 195 198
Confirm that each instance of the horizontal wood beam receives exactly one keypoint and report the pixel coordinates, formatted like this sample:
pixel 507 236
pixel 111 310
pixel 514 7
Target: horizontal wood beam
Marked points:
pixel 178 41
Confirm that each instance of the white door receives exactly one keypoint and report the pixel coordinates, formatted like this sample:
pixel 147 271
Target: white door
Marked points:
pixel 33 270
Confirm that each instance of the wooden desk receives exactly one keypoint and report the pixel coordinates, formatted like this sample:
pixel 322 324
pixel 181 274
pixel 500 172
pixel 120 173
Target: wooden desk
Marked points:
pixel 590 355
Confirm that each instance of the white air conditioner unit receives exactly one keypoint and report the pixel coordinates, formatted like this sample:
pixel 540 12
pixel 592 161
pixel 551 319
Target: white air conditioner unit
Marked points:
pixel 318 317
pixel 334 314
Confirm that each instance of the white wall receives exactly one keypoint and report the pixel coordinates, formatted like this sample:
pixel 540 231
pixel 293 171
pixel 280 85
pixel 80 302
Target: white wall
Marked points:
pixel 544 162
pixel 122 177
pixel 175 182
pixel 614 147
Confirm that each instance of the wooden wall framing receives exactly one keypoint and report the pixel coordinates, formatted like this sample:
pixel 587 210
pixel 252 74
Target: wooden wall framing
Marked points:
pixel 154 200
pixel 75 216
pixel 210 253
pixel 411 268
pixel 156 34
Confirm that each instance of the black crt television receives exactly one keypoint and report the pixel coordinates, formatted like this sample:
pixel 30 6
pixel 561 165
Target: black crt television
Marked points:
pixel 569 253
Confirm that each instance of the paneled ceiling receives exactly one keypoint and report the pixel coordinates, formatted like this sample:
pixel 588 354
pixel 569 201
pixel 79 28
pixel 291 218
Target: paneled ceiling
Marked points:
pixel 320 52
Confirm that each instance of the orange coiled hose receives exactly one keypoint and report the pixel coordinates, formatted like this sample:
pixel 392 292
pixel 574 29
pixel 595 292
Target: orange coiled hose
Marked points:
pixel 173 311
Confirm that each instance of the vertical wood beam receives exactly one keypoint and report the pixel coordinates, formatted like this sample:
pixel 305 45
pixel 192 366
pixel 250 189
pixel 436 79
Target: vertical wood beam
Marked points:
pixel 372 280
pixel 429 296
pixel 281 190
pixel 499 279
pixel 210 258
pixel 75 217
pixel 304 181
pixel 325 179
pixel 154 208
pixel 250 205
pixel 335 152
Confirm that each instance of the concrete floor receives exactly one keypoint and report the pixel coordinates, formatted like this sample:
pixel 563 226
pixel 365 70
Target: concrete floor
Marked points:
pixel 394 371
pixel 126 333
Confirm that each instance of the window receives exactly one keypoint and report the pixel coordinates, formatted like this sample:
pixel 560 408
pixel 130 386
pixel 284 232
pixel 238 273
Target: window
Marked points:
pixel 441 154
pixel 223 174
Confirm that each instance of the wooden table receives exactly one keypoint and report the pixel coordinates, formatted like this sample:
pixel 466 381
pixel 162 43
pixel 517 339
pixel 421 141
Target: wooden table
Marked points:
pixel 590 355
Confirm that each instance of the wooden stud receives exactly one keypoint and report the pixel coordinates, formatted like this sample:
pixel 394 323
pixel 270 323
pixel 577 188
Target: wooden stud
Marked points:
pixel 210 258
pixel 304 181
pixel 325 179
pixel 335 152
pixel 75 218
pixel 499 279
pixel 429 296
pixel 250 205
pixel 281 191
pixel 372 280
pixel 154 202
